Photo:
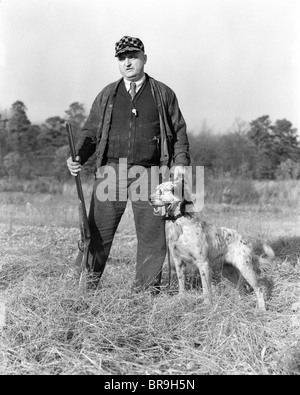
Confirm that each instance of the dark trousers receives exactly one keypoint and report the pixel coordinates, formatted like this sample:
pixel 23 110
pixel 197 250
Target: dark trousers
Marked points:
pixel 105 216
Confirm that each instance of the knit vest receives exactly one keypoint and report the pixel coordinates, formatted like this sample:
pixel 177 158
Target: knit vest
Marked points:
pixel 135 130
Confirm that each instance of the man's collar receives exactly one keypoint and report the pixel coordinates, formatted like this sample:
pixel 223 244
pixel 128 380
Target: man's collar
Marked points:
pixel 139 83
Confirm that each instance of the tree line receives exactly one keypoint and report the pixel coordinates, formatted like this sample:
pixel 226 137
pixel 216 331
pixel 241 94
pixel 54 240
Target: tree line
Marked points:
pixel 258 150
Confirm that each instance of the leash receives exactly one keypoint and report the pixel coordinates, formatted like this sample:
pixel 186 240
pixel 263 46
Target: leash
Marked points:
pixel 167 217
pixel 169 256
pixel 169 269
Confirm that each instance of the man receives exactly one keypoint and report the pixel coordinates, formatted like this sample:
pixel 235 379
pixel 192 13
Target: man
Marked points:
pixel 137 121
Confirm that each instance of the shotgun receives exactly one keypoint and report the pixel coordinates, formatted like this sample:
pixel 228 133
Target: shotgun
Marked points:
pixel 82 261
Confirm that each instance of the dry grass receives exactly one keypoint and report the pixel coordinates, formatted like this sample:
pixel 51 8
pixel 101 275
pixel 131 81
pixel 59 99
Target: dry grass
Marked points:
pixel 51 328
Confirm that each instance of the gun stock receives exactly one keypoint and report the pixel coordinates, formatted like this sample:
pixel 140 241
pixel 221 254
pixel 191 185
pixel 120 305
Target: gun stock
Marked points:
pixel 84 243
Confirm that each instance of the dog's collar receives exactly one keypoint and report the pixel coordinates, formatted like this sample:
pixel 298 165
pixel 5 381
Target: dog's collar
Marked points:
pixel 172 218
pixel 182 213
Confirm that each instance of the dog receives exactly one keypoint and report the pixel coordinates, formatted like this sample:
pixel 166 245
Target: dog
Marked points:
pixel 193 241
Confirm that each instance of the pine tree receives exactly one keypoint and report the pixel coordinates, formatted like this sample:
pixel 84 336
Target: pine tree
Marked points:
pixel 262 144
pixel 76 116
pixel 286 143
pixel 18 126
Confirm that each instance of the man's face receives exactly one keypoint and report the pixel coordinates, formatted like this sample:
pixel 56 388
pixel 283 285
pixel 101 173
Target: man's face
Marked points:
pixel 131 64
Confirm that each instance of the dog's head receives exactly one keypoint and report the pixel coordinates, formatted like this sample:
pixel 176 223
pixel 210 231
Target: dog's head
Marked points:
pixel 168 199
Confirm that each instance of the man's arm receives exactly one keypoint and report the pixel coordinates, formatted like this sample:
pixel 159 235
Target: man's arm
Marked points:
pixel 174 123
pixel 180 138
pixel 92 129
pixel 86 144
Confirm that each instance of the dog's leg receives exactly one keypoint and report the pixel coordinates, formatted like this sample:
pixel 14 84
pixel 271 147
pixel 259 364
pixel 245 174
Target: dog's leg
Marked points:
pixel 239 282
pixel 244 264
pixel 259 294
pixel 251 278
pixel 180 271
pixel 205 274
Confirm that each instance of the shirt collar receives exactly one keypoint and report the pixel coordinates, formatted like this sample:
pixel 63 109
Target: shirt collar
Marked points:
pixel 139 83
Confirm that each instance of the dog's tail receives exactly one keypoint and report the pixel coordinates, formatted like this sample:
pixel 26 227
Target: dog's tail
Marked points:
pixel 266 260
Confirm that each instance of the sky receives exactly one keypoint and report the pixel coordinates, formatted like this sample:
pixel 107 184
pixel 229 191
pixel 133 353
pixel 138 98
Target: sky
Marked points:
pixel 226 60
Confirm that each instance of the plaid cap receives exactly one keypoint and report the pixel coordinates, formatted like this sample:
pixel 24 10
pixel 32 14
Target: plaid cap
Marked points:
pixel 127 44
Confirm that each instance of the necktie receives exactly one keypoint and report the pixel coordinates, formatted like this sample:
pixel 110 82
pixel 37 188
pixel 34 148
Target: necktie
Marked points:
pixel 132 89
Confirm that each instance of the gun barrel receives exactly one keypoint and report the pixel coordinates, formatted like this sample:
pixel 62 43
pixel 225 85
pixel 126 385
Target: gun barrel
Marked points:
pixel 71 141
pixel 82 210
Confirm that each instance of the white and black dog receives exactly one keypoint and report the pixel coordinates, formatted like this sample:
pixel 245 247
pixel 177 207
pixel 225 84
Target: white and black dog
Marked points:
pixel 193 241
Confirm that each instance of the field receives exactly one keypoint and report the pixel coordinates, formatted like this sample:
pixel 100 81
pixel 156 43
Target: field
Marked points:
pixel 49 327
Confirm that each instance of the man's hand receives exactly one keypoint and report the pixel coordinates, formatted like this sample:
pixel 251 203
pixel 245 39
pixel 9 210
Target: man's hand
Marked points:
pixel 74 167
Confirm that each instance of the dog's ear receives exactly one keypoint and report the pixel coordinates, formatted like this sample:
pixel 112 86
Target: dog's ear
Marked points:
pixel 186 208
pixel 188 194
pixel 177 189
pixel 183 191
pixel 182 208
pixel 190 198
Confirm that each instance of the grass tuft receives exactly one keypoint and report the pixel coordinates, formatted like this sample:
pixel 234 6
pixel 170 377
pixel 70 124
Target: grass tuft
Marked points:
pixel 52 328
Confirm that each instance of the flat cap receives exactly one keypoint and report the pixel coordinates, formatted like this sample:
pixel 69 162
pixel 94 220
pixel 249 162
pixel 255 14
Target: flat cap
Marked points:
pixel 127 44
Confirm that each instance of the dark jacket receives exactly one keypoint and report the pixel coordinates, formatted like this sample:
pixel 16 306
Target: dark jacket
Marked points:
pixel 174 141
